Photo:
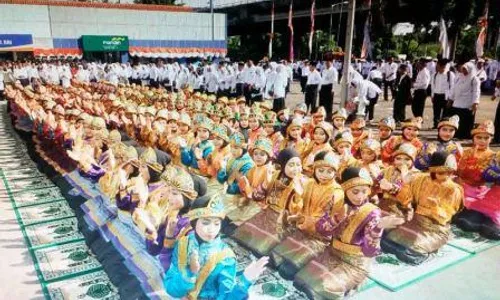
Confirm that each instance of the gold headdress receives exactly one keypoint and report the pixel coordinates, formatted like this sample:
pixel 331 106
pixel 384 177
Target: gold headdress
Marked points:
pixel 484 127
pixel 181 180
pixel 214 209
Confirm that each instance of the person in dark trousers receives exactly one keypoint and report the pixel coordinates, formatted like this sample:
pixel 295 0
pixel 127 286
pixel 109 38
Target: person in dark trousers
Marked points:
pixel 312 84
pixel 441 85
pixel 403 94
pixel 420 90
pixel 304 71
pixel 240 80
pixel 329 78
pixel 389 71
pixel 464 99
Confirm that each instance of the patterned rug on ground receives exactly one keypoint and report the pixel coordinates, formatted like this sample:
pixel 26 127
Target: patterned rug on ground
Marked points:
pixel 86 287
pixel 64 261
pixel 53 233
pixel 394 275
pixel 44 212
pixel 471 242
pixel 22 173
pixel 30 184
pixel 35 197
pixel 271 285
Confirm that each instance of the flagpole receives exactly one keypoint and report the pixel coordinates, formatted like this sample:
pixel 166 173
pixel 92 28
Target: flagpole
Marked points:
pixel 311 35
pixel 351 12
pixel 290 26
pixel 270 50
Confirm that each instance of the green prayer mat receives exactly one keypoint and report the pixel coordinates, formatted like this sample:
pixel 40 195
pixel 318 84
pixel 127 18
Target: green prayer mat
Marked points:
pixel 34 197
pixel 243 256
pixel 30 184
pixel 15 165
pixel 366 285
pixel 53 233
pixel 471 242
pixel 271 285
pixel 65 261
pixel 44 212
pixel 394 275
pixel 86 287
pixel 20 174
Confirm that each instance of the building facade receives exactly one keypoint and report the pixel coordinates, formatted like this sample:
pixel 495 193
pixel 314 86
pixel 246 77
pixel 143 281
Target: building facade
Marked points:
pixel 74 29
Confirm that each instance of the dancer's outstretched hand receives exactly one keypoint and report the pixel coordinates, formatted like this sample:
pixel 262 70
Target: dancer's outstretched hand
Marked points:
pixel 256 268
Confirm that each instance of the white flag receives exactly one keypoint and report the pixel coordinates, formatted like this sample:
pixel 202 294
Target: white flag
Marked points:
pixel 443 40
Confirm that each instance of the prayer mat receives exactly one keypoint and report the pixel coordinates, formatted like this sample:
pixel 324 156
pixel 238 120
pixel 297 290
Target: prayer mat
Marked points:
pixel 243 256
pixel 65 261
pixel 471 242
pixel 86 287
pixel 22 174
pixel 35 197
pixel 30 184
pixel 13 157
pixel 44 212
pixel 53 233
pixel 271 286
pixel 366 285
pixel 15 165
pixel 394 275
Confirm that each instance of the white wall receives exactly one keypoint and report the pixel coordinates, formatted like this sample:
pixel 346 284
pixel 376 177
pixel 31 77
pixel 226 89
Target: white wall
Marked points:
pixel 27 19
pixel 73 22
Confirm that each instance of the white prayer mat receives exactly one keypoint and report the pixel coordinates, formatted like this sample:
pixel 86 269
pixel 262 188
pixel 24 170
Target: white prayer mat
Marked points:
pixel 65 261
pixel 471 242
pixel 394 275
pixel 53 233
pixel 44 212
pixel 86 287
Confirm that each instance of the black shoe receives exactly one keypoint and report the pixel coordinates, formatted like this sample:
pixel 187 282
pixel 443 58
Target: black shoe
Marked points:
pixel 391 247
pixel 404 254
pixel 228 227
pixel 490 230
pixel 469 220
pixel 288 270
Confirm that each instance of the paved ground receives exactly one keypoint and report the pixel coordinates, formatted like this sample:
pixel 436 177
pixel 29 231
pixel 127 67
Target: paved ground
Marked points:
pixel 18 279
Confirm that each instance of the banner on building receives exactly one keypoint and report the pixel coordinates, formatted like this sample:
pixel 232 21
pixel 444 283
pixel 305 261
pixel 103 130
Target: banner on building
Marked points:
pixel 16 42
pixel 105 43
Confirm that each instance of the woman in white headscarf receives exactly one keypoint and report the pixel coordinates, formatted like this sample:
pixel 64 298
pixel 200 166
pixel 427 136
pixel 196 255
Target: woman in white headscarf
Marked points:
pixel 279 88
pixel 464 99
pixel 258 85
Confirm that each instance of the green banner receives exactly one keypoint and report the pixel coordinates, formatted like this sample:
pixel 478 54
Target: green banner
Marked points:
pixel 104 43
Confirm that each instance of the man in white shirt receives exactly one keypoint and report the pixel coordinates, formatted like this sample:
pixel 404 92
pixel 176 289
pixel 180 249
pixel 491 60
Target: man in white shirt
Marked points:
pixel 441 86
pixel 304 72
pixel 211 80
pixel 420 90
pixel 329 78
pixel 376 76
pixel 2 83
pixel 389 71
pixel 154 74
pixel 312 83
pixel 240 79
pixel 21 74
